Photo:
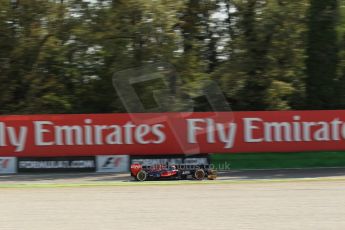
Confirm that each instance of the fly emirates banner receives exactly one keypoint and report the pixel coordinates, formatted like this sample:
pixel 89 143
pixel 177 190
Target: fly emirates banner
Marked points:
pixel 171 133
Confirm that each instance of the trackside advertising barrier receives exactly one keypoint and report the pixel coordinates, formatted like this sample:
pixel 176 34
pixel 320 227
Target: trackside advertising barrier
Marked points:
pixel 171 133
pixel 56 164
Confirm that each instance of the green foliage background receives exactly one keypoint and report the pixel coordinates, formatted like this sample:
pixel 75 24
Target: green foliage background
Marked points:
pixel 59 56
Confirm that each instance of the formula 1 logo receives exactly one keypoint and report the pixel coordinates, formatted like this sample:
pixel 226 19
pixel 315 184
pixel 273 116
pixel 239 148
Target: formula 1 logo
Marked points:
pixel 4 163
pixel 112 162
pixel 8 165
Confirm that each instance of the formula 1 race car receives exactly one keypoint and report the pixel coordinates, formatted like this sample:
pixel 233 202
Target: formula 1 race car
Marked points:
pixel 178 172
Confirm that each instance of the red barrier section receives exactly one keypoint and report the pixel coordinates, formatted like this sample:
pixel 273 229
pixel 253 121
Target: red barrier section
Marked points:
pixel 171 133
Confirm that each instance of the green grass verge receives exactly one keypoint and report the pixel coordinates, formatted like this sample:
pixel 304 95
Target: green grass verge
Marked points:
pixel 279 160
pixel 162 183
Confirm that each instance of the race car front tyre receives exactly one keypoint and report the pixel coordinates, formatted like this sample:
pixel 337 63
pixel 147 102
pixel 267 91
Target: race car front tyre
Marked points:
pixel 199 174
pixel 212 174
pixel 141 176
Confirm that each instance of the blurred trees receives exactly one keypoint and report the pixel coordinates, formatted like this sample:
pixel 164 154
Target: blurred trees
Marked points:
pixel 322 53
pixel 59 56
pixel 265 62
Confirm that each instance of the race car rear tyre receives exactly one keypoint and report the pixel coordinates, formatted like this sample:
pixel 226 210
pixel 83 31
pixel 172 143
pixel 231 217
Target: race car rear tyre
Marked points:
pixel 141 176
pixel 199 174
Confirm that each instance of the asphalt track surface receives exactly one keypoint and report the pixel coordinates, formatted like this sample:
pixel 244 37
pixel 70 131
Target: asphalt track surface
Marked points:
pixel 269 199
